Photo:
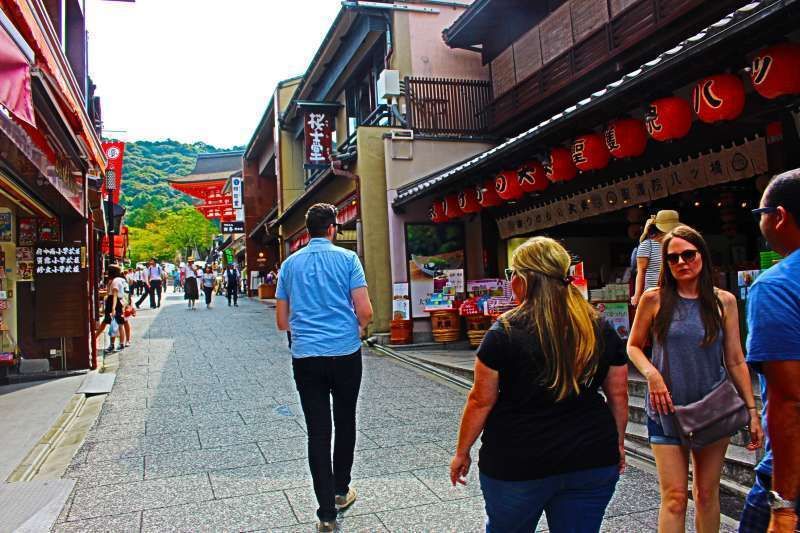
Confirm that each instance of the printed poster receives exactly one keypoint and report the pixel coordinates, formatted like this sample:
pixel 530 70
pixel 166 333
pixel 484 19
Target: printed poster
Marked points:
pixel 401 303
pixel 6 229
pixel 617 315
pixel 26 231
pixel 431 249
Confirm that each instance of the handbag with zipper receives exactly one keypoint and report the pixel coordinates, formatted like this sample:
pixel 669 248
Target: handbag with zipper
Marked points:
pixel 719 414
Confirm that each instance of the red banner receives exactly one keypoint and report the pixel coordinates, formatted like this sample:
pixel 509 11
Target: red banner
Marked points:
pixel 318 137
pixel 15 80
pixel 114 152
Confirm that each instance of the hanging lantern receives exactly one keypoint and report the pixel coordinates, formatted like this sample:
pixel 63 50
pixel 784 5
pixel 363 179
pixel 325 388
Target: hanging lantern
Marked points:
pixel 626 137
pixel 436 212
pixel 451 209
pixel 589 152
pixel 487 195
pixel 669 118
pixel 468 200
pixel 776 70
pixel 531 177
pixel 717 98
pixel 507 186
pixel 559 166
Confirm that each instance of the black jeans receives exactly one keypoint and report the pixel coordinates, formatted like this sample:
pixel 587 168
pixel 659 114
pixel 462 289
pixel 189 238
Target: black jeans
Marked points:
pixel 317 379
pixel 232 292
pixel 208 291
pixel 155 290
pixel 145 294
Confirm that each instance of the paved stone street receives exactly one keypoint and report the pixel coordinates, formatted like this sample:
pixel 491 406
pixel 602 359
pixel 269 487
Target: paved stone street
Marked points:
pixel 203 432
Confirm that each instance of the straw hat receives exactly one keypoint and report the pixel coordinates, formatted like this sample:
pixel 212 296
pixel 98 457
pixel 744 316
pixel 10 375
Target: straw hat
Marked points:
pixel 665 220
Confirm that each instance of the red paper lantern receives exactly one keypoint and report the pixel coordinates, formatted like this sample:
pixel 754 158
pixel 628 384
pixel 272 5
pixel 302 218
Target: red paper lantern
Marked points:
pixel 451 209
pixel 487 195
pixel 669 118
pixel 436 212
pixel 531 177
pixel 776 70
pixel 717 98
pixel 589 152
pixel 626 137
pixel 559 167
pixel 507 185
pixel 468 200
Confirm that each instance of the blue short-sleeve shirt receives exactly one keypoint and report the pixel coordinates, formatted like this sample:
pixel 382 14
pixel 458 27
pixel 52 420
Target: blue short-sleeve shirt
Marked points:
pixel 316 281
pixel 773 320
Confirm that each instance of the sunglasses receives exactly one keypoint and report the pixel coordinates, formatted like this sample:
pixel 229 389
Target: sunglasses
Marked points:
pixel 509 274
pixel 688 256
pixel 763 211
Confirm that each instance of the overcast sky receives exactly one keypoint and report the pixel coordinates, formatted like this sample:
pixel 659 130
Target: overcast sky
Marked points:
pixel 198 70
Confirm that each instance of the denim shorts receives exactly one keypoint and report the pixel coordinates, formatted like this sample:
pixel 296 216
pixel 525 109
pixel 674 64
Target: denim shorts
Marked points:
pixel 655 433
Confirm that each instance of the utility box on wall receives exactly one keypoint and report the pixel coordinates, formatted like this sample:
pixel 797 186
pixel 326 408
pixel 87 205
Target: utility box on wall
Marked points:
pixel 389 84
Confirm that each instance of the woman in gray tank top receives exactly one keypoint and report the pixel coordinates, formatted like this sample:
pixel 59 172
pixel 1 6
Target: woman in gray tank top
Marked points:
pixel 696 326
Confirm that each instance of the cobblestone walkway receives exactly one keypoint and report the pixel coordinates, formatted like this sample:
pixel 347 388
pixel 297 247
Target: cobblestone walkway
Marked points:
pixel 203 432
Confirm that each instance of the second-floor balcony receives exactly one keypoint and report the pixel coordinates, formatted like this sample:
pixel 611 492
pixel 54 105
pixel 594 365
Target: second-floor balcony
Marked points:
pixel 443 106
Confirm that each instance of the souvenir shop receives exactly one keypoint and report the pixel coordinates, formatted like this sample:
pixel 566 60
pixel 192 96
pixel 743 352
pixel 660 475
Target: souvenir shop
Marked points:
pixel 700 129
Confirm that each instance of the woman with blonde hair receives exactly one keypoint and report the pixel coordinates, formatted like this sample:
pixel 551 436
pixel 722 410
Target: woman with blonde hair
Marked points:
pixel 551 443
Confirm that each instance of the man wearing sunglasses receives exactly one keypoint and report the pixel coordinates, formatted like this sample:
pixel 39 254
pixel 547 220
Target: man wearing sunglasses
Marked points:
pixel 322 300
pixel 773 346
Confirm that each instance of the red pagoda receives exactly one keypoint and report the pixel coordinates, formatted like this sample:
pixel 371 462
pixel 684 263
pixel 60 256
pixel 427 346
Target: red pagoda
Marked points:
pixel 207 181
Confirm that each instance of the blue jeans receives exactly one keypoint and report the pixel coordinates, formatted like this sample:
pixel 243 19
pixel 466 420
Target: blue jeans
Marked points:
pixel 573 502
pixel 756 513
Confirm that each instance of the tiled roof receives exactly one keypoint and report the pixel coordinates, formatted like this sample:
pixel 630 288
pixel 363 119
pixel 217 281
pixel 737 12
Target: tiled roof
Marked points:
pixel 728 25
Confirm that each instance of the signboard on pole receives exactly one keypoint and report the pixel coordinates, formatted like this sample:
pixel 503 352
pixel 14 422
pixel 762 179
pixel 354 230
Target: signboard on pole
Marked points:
pixel 236 226
pixel 236 192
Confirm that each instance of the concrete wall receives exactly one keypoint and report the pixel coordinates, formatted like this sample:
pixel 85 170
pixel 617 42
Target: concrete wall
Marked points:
pixel 371 170
pixel 289 153
pixel 431 57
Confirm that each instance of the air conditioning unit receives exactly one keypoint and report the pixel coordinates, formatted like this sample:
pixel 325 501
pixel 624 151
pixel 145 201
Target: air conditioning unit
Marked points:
pixel 389 84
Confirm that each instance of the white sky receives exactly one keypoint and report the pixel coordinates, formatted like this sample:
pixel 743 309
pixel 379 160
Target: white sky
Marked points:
pixel 198 70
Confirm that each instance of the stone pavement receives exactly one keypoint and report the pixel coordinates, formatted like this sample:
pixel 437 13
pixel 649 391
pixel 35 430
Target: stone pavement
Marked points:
pixel 203 432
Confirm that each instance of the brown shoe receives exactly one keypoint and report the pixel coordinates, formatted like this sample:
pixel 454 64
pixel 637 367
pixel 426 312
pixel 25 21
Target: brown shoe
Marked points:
pixel 326 527
pixel 345 501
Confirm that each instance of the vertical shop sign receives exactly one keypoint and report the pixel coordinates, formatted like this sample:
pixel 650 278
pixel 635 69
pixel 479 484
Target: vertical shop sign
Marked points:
pixel 401 304
pixel 236 192
pixel 318 123
pixel 114 152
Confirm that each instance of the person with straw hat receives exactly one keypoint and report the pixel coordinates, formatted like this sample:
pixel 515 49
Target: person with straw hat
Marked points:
pixel 191 291
pixel 648 254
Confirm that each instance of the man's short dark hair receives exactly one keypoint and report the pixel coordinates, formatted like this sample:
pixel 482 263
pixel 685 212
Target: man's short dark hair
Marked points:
pixel 319 218
pixel 784 190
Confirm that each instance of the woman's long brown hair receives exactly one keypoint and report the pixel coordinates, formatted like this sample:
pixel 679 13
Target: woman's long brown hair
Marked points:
pixel 711 311
pixel 554 310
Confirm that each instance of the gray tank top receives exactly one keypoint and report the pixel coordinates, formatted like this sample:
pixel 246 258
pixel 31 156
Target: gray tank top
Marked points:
pixel 694 370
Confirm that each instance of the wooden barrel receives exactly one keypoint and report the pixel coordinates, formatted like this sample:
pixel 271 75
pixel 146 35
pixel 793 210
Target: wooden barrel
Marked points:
pixel 402 332
pixel 477 326
pixel 445 325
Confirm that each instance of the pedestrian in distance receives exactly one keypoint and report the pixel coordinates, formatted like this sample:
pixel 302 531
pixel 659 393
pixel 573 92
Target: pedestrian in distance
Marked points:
pixel 773 349
pixel 191 291
pixel 648 253
pixel 209 280
pixel 113 308
pixel 232 284
pixel 695 331
pixel 551 443
pixel 176 280
pixel 322 299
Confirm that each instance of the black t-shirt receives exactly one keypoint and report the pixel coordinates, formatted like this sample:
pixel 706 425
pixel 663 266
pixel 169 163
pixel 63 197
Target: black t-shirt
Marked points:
pixel 529 435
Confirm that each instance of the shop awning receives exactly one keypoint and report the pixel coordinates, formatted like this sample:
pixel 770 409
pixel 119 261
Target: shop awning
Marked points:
pixel 263 222
pixel 739 22
pixel 15 73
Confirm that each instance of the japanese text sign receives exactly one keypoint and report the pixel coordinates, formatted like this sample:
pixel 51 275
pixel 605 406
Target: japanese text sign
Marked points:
pixel 114 152
pixel 57 259
pixel 318 124
pixel 236 192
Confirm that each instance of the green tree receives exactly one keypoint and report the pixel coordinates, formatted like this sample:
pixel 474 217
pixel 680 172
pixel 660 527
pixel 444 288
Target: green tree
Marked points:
pixel 171 233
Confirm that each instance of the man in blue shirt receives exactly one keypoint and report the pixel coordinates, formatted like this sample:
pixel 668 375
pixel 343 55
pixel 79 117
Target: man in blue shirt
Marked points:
pixel 773 346
pixel 322 300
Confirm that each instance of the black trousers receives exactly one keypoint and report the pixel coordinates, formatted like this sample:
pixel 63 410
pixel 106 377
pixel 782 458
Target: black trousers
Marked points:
pixel 155 291
pixel 145 293
pixel 208 292
pixel 232 292
pixel 317 380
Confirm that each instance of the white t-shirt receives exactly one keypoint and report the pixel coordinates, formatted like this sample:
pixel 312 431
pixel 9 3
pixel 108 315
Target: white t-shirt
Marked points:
pixel 189 272
pixel 120 285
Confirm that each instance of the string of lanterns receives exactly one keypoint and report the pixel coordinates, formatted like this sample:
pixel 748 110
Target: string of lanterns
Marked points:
pixel 775 72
